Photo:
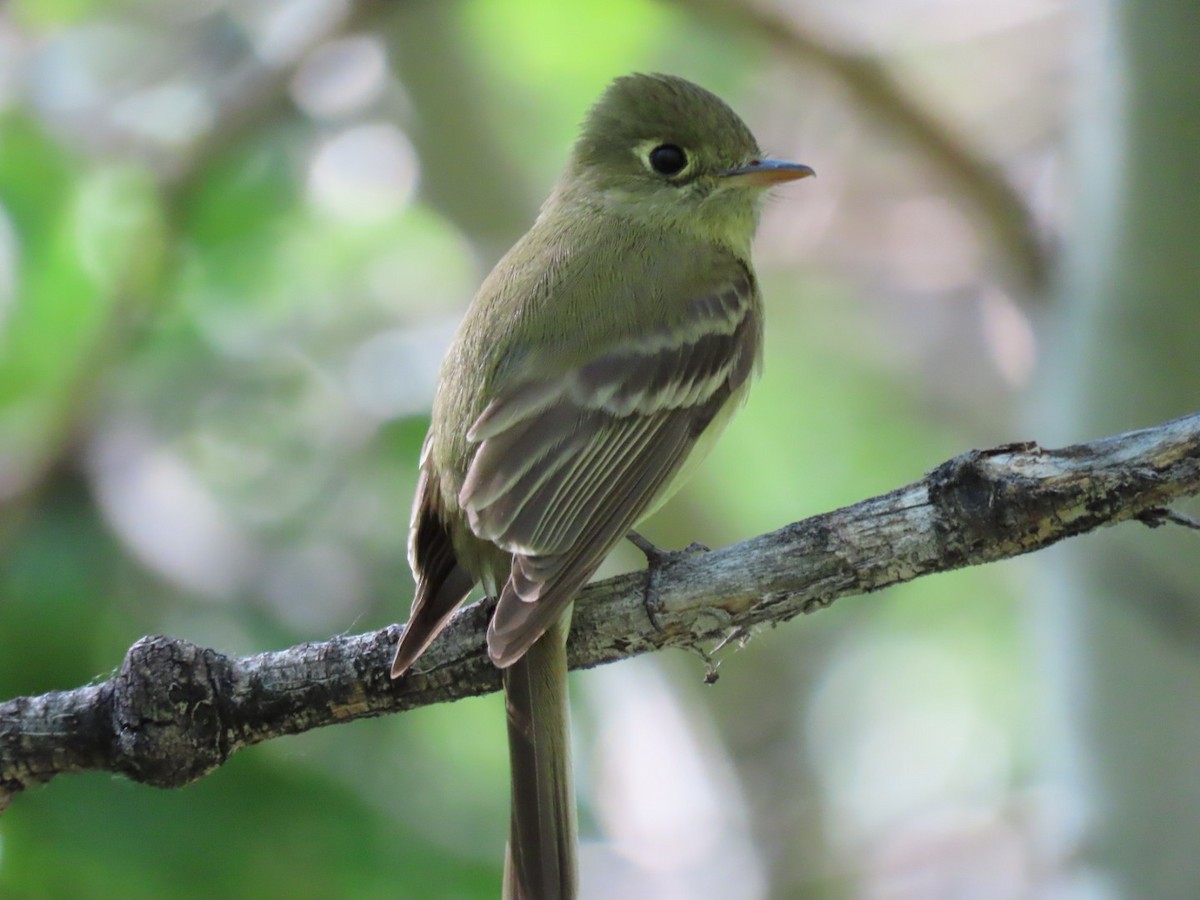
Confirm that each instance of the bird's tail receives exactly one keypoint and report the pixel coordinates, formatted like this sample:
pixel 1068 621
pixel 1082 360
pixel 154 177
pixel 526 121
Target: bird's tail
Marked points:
pixel 540 863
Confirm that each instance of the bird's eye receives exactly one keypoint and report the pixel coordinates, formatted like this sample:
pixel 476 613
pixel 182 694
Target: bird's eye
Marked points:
pixel 668 159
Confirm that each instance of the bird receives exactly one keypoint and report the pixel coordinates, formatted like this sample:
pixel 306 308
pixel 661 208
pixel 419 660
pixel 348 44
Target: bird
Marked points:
pixel 591 372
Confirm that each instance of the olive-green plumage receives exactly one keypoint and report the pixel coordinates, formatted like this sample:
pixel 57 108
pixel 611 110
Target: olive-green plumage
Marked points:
pixel 606 348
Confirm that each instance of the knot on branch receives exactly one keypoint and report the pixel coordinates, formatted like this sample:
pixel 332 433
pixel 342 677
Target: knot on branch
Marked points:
pixel 168 721
pixel 983 500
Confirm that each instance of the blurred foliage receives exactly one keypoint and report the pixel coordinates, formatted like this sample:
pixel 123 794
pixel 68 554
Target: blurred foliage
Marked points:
pixel 234 241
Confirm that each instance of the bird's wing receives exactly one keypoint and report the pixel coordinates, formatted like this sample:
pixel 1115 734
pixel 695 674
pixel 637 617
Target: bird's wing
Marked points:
pixel 442 582
pixel 567 464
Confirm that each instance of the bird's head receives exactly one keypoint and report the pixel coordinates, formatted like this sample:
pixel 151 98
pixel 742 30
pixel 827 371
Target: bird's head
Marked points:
pixel 661 149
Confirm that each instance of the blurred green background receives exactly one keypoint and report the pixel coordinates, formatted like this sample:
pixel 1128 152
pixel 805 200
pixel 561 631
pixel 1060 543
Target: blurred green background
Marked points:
pixel 234 241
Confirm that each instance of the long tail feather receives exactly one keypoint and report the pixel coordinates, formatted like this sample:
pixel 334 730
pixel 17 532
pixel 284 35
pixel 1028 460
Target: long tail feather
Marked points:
pixel 541 859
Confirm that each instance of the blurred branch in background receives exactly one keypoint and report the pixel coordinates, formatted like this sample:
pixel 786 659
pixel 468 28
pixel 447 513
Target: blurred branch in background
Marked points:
pixel 247 99
pixel 176 711
pixel 256 92
pixel 454 134
pixel 978 181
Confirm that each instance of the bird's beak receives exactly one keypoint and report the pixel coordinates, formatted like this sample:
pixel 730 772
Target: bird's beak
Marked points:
pixel 765 172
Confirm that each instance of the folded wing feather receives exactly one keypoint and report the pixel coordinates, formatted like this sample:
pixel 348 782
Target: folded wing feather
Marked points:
pixel 567 464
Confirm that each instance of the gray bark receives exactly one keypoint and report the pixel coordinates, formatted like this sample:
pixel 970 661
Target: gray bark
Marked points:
pixel 176 711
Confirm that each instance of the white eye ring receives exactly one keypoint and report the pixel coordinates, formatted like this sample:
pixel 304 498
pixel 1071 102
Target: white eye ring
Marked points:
pixel 664 158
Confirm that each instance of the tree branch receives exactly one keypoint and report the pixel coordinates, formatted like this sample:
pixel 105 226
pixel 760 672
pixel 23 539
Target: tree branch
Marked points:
pixel 175 711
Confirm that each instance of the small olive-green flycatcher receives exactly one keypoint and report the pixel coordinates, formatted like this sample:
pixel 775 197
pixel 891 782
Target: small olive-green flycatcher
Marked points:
pixel 605 349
